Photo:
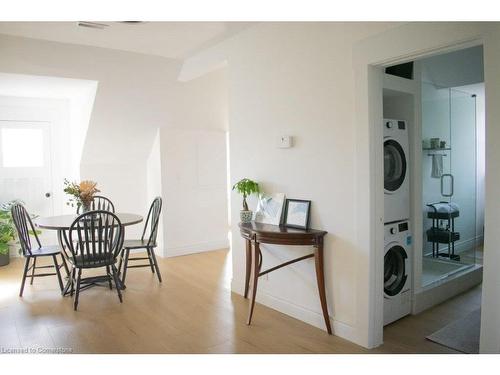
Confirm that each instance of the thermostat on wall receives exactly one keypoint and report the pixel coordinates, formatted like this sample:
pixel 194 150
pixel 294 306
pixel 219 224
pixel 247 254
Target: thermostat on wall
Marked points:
pixel 285 141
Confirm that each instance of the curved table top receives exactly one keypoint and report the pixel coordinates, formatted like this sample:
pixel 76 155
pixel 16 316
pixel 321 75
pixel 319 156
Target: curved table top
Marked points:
pixel 65 221
pixel 279 234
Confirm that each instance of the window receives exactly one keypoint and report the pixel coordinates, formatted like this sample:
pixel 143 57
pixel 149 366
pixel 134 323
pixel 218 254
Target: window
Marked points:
pixel 22 147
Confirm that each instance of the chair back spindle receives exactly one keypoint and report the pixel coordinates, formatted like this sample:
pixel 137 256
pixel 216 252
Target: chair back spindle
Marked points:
pixel 24 227
pixel 100 203
pixel 153 219
pixel 95 237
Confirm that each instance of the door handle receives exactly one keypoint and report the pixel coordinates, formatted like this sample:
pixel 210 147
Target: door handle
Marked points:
pixel 47 195
pixel 451 184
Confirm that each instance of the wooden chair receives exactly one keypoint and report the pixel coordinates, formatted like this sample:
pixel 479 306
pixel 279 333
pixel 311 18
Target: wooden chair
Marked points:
pixel 148 244
pixel 25 228
pixel 94 240
pixel 100 203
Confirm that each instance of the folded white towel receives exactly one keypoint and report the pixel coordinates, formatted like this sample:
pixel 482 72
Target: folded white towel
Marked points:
pixel 446 207
pixel 437 166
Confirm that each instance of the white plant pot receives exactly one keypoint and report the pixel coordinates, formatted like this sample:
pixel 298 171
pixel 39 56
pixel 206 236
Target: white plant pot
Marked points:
pixel 245 216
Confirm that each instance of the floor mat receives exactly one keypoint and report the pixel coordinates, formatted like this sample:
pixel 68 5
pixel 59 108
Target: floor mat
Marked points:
pixel 461 335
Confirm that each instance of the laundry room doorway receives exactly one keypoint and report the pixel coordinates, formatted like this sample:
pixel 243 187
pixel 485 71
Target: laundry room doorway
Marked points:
pixel 434 107
pixel 370 58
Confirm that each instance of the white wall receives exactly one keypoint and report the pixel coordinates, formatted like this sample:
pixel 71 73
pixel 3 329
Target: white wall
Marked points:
pixel 296 79
pixel 80 95
pixel 195 190
pixel 194 167
pixel 133 99
pixel 137 94
pixel 154 186
pixel 490 308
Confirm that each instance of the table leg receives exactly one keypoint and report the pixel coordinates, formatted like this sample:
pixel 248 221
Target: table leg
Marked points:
pixel 320 277
pixel 248 265
pixel 255 276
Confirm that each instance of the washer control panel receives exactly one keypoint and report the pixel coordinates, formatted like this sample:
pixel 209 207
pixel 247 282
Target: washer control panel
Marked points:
pixel 400 229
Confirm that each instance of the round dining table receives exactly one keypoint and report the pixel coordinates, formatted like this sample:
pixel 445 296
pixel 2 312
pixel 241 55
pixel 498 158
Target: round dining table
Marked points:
pixel 62 223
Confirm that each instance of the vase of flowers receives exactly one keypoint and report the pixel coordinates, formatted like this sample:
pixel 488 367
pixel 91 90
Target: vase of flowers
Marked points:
pixel 246 187
pixel 82 194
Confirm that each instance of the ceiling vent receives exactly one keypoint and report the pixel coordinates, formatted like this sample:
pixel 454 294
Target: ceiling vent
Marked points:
pixel 92 25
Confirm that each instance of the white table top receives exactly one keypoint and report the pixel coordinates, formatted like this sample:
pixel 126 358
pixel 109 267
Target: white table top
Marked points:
pixel 64 221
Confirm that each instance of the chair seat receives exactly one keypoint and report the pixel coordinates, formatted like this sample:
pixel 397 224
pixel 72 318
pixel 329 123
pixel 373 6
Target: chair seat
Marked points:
pixel 136 244
pixel 93 261
pixel 45 251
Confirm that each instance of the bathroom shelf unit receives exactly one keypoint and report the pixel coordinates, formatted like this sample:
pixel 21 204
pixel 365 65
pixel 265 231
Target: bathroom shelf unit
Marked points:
pixel 438 235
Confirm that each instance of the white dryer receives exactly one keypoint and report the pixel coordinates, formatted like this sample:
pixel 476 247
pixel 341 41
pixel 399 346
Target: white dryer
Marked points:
pixel 396 173
pixel 397 271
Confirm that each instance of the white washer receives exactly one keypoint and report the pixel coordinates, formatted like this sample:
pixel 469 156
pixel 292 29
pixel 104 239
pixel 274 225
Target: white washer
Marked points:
pixel 397 271
pixel 396 173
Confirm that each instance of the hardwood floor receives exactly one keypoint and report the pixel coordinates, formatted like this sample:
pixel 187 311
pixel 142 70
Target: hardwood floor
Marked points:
pixel 192 311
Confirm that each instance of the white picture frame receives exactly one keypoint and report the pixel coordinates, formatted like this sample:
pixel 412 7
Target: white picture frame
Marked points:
pixel 270 208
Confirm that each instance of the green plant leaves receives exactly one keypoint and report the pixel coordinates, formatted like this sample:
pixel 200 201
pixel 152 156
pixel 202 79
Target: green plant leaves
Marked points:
pixel 246 187
pixel 4 248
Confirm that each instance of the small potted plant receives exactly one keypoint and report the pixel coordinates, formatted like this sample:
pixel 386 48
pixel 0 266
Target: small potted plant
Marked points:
pixel 82 193
pixel 246 187
pixel 7 232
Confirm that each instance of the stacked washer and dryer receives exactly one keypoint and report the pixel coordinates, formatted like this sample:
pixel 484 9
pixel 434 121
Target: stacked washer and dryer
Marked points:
pixel 397 235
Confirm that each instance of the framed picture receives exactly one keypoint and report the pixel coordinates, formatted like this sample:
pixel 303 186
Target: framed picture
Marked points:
pixel 270 208
pixel 297 213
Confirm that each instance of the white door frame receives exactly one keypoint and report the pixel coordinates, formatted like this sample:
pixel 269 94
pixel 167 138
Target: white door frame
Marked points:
pixel 369 58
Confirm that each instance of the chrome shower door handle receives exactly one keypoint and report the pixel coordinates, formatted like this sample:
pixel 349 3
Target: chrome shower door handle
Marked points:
pixel 452 180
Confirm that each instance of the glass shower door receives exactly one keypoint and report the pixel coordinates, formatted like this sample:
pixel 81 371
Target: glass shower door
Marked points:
pixel 463 174
pixel 448 182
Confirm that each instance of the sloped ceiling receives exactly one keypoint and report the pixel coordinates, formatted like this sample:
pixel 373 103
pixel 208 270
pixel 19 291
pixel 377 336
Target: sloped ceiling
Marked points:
pixel 175 40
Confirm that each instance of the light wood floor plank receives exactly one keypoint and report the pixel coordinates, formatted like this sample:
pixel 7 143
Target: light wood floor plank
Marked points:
pixel 192 311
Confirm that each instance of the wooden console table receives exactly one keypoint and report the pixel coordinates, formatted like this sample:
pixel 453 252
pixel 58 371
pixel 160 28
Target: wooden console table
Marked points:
pixel 258 233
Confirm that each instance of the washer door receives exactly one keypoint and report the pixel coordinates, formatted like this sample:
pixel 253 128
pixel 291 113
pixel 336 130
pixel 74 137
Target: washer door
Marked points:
pixel 394 165
pixel 394 270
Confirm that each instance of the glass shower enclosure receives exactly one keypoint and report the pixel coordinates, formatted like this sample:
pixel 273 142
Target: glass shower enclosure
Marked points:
pixel 449 188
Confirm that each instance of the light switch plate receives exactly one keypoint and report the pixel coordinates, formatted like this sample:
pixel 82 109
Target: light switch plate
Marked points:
pixel 285 141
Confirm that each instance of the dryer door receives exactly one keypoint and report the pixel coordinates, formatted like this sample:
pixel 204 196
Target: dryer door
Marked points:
pixel 394 165
pixel 394 270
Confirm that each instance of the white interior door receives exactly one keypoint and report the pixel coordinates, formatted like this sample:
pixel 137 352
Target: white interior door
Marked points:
pixel 26 165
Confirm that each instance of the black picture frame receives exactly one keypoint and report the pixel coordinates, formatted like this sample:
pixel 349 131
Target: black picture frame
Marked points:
pixel 305 224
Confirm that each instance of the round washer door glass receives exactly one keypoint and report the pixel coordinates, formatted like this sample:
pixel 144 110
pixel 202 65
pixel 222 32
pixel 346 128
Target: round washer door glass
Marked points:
pixel 394 270
pixel 394 165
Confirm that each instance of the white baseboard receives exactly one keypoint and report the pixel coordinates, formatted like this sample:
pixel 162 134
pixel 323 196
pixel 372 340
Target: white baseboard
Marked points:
pixel 196 248
pixel 301 313
pixel 14 253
